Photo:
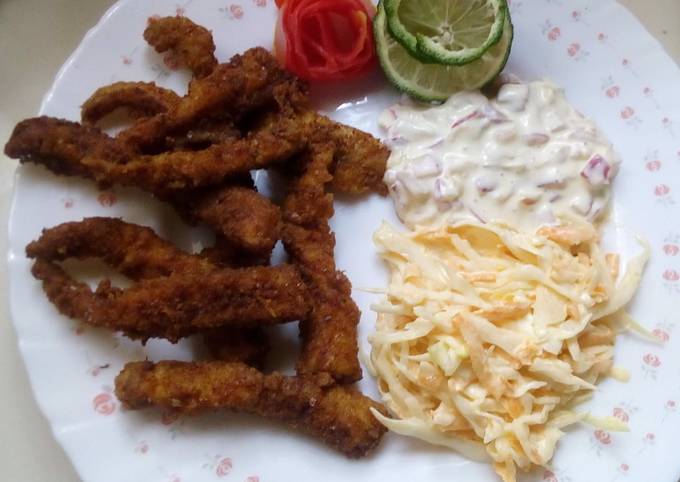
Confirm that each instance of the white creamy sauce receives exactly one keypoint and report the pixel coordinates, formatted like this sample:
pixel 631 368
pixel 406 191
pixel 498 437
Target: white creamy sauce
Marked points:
pixel 524 158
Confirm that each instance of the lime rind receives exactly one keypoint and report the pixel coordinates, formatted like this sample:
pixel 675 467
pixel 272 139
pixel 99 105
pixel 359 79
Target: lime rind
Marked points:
pixel 430 48
pixel 433 82
pixel 399 31
pixel 423 34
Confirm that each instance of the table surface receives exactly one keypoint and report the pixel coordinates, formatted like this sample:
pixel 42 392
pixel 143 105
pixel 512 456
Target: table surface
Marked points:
pixel 35 39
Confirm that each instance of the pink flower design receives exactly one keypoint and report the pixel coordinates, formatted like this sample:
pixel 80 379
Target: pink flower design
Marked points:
pixel 260 3
pixel 671 275
pixel 601 36
pixel 621 414
pixel 253 478
pixel 661 334
pixel 624 467
pixel 142 447
pixel 647 90
pixel 68 202
pixel 549 476
pixel 625 62
pixel 613 91
pixel 573 49
pixel 104 404
pixel 224 467
pixel 126 60
pixel 576 15
pixel 603 437
pixel 653 166
pixel 171 61
pixel 627 112
pixel 661 190
pixel 671 405
pixel 651 360
pixel 107 199
pixel 666 121
pixel 650 437
pixel 671 249
pixel 174 478
pixel 554 33
pixel 236 11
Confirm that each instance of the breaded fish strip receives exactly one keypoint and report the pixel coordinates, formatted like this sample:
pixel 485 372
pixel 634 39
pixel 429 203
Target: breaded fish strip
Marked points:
pixel 177 293
pixel 245 344
pixel 242 85
pixel 360 158
pixel 340 416
pixel 191 44
pixel 179 305
pixel 141 99
pixel 138 253
pixel 68 148
pixel 246 219
pixel 329 333
pixel 242 216
pixel 205 133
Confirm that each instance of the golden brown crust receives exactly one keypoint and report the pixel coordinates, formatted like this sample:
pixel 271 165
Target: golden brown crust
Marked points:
pixel 340 416
pixel 329 333
pixel 242 85
pixel 177 294
pixel 140 99
pixel 135 251
pixel 69 148
pixel 192 45
pixel 242 216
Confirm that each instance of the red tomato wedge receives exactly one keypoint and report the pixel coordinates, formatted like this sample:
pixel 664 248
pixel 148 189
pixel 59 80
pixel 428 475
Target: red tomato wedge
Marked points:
pixel 325 39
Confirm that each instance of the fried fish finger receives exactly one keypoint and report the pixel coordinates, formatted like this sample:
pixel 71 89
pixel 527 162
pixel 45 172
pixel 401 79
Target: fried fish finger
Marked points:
pixel 138 253
pixel 242 216
pixel 68 148
pixel 135 251
pixel 339 416
pixel 176 293
pixel 178 305
pixel 141 99
pixel 191 44
pixel 329 333
pixel 242 85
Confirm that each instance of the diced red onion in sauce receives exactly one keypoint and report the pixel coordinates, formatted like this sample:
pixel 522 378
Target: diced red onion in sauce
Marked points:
pixel 536 139
pixel 484 184
pixel 462 120
pixel 493 114
pixel 597 171
pixel 445 189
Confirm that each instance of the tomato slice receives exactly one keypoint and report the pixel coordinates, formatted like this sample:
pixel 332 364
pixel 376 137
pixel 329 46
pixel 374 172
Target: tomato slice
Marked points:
pixel 325 39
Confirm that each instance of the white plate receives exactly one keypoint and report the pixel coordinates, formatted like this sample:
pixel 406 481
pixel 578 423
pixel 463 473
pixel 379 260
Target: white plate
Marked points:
pixel 612 70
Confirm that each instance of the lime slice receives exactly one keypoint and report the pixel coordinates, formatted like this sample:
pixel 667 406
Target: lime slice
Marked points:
pixel 451 32
pixel 434 82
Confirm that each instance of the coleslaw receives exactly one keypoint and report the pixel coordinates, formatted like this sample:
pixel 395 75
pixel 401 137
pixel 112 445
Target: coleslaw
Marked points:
pixel 488 338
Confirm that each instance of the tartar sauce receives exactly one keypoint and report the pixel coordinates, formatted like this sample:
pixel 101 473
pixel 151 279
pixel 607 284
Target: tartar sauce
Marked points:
pixel 524 158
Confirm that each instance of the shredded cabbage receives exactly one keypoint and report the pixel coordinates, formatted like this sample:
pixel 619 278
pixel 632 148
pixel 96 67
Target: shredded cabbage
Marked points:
pixel 488 338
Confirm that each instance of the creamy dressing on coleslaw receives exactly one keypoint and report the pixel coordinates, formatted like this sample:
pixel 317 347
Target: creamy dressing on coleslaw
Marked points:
pixel 524 158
